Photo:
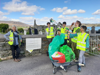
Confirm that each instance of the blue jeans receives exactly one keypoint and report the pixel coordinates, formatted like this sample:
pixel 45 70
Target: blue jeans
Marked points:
pixel 81 57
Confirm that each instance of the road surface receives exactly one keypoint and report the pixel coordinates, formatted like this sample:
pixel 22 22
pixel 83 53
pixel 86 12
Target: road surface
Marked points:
pixel 41 65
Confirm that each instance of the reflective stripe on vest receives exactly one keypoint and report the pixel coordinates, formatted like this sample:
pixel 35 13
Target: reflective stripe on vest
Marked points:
pixel 81 41
pixel 63 31
pixel 11 38
pixel 51 33
pixel 74 39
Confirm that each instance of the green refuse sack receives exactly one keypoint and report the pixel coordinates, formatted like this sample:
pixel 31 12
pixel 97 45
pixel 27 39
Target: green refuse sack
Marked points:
pixel 67 51
pixel 54 46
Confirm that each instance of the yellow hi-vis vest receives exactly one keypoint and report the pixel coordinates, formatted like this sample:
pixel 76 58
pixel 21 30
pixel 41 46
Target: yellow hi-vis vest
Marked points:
pixel 11 37
pixel 50 33
pixel 63 30
pixel 74 39
pixel 81 41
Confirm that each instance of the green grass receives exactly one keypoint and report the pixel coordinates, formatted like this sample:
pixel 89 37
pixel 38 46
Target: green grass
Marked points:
pixel 2 33
pixel 0 60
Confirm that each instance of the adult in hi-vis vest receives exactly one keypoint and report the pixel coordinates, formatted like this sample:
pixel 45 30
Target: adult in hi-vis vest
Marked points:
pixel 49 34
pixel 76 29
pixel 82 45
pixel 64 30
pixel 14 42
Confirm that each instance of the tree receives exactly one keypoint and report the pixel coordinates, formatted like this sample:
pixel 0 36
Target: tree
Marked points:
pixel 21 30
pixel 8 30
pixel 3 27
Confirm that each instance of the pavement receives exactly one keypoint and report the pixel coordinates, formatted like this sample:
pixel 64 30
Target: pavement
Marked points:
pixel 41 65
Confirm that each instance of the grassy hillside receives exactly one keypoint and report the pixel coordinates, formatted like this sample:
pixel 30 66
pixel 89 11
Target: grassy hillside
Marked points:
pixel 17 23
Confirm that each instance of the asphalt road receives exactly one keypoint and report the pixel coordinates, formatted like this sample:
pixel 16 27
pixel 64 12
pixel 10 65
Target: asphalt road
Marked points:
pixel 41 65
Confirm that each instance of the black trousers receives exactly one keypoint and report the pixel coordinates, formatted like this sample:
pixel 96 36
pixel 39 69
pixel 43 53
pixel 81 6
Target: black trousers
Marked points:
pixel 49 41
pixel 15 51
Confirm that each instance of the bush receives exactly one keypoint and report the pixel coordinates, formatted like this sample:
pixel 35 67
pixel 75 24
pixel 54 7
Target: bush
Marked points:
pixel 8 30
pixel 3 27
pixel 21 30
pixel 27 33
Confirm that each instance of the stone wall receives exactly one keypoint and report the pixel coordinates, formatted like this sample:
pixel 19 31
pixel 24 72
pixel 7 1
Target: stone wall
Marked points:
pixel 6 53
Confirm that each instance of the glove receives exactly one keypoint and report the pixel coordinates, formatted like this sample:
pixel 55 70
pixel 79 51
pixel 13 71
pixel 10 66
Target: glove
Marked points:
pixel 68 41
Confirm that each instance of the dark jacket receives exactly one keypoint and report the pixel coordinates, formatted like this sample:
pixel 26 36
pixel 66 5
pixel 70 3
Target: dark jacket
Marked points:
pixel 30 32
pixel 35 31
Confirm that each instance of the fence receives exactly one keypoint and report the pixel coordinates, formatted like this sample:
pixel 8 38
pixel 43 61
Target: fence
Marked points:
pixel 94 44
pixel 6 53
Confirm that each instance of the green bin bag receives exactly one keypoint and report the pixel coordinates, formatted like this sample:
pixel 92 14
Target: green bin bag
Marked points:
pixel 54 46
pixel 67 51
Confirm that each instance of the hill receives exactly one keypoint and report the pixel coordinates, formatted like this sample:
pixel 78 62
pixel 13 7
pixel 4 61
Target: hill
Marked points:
pixel 20 24
pixel 17 23
pixel 90 25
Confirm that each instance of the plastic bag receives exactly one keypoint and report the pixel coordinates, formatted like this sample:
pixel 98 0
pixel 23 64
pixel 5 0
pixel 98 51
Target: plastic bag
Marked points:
pixel 54 46
pixel 59 56
pixel 67 51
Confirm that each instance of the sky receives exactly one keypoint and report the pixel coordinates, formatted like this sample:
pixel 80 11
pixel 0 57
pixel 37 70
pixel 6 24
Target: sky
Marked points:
pixel 86 11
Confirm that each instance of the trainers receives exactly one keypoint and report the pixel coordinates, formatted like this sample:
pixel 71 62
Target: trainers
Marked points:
pixel 75 60
pixel 78 68
pixel 84 64
pixel 81 64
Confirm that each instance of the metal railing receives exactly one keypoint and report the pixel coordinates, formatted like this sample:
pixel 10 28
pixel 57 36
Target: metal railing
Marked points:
pixel 94 44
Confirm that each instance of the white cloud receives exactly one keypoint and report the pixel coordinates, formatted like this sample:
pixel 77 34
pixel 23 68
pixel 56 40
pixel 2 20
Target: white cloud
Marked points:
pixel 70 19
pixel 69 11
pixel 39 21
pixel 2 13
pixel 59 9
pixel 27 13
pixel 66 11
pixel 2 16
pixel 97 12
pixel 14 19
pixel 21 6
pixel 61 16
pixel 81 11
pixel 65 1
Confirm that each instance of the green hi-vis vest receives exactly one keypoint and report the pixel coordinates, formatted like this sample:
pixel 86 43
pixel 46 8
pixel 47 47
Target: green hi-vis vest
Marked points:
pixel 50 33
pixel 11 37
pixel 74 39
pixel 81 41
pixel 63 30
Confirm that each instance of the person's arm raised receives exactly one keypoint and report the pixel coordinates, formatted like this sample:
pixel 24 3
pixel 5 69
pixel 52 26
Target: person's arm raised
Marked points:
pixel 71 26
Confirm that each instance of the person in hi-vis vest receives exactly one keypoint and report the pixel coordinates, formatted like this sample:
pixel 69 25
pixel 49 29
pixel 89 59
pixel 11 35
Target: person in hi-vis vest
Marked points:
pixel 82 45
pixel 49 33
pixel 14 42
pixel 76 29
pixel 64 30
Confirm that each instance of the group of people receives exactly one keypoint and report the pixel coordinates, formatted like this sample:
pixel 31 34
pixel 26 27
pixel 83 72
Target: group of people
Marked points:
pixel 30 30
pixel 77 39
